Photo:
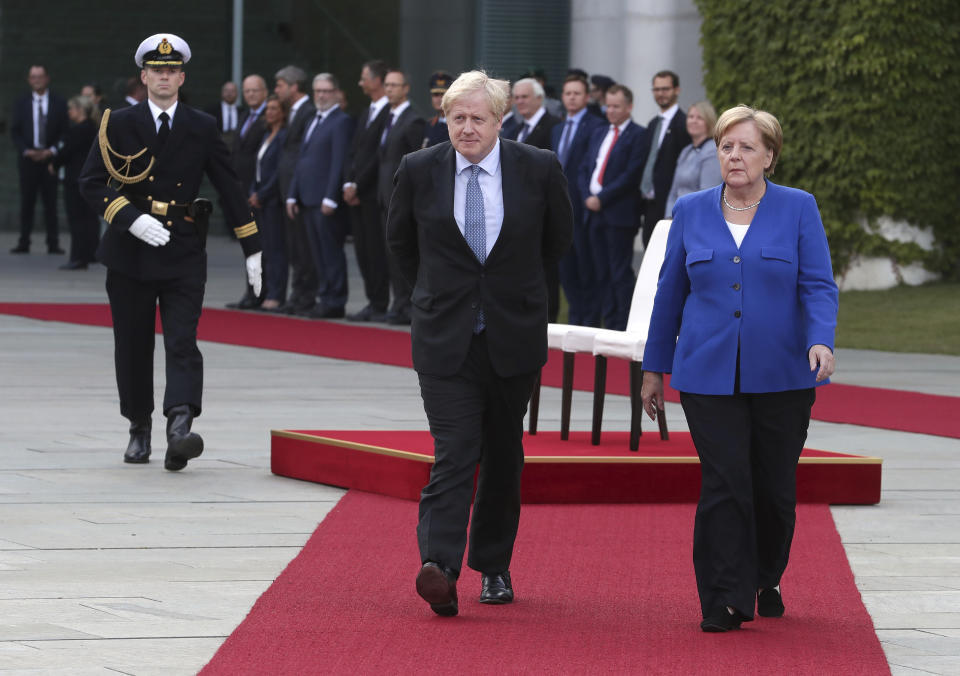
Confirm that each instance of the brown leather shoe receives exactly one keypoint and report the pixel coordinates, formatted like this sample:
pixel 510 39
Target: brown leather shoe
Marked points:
pixel 438 586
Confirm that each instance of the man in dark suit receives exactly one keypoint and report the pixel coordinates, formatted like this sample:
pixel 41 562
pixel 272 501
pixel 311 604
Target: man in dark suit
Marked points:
pixel 668 136
pixel 360 192
pixel 154 247
pixel 608 184
pixel 292 88
pixel 402 133
pixel 227 112
pixel 246 145
pixel 38 125
pixel 315 190
pixel 473 223
pixel 569 140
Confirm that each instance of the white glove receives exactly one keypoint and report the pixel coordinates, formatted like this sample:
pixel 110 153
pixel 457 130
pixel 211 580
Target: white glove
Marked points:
pixel 255 272
pixel 150 230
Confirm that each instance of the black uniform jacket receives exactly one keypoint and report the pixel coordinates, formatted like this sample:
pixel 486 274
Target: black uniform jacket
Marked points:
pixel 193 148
pixel 449 282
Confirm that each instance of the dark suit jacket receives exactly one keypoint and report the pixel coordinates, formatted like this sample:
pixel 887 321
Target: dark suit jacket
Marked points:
pixel 364 157
pixel 319 169
pixel 405 136
pixel 540 135
pixel 448 280
pixel 619 195
pixel 76 146
pixel 21 124
pixel 245 148
pixel 296 127
pixel 576 156
pixel 268 190
pixel 194 148
pixel 217 111
pixel 675 140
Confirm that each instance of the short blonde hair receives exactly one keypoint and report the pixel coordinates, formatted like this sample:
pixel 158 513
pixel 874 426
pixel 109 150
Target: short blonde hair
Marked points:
pixel 767 125
pixel 708 114
pixel 497 92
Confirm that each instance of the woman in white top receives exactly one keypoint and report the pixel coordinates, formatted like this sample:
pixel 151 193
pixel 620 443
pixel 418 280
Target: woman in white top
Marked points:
pixel 697 166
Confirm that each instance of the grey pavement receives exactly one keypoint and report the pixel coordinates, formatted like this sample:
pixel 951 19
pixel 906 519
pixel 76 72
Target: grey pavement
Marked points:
pixel 109 568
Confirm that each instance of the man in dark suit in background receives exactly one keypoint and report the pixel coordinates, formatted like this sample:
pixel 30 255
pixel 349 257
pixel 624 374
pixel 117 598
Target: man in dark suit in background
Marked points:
pixel 227 112
pixel 569 140
pixel 668 136
pixel 292 88
pixel 246 145
pixel 473 224
pixel 608 184
pixel 315 190
pixel 38 125
pixel 402 133
pixel 360 192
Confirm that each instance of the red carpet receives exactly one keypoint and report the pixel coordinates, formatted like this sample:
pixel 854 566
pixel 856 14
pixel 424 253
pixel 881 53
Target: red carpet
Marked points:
pixel 601 589
pixel 397 463
pixel 851 404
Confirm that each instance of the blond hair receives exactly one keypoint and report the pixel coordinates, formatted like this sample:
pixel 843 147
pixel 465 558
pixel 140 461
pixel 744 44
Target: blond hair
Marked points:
pixel 708 114
pixel 497 92
pixel 767 125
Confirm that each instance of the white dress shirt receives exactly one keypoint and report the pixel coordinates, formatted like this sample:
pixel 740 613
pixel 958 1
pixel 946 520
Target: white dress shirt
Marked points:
pixel 228 112
pixel 44 100
pixel 667 118
pixel 595 186
pixel 531 123
pixel 491 185
pixel 375 108
pixel 395 114
pixel 155 110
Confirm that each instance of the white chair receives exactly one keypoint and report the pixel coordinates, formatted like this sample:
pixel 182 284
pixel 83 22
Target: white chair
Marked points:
pixel 604 343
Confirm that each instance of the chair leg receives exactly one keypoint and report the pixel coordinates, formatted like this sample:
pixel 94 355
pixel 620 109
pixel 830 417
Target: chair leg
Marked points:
pixel 599 391
pixel 535 405
pixel 566 395
pixel 636 405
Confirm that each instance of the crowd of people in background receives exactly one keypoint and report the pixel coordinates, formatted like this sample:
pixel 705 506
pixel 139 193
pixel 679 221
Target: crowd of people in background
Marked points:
pixel 318 175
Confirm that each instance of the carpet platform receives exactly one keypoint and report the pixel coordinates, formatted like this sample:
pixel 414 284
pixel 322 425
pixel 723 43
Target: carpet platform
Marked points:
pixel 397 464
pixel 851 404
pixel 601 589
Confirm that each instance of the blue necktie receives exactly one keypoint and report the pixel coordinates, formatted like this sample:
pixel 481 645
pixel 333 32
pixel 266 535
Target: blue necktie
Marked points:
pixel 565 143
pixel 475 229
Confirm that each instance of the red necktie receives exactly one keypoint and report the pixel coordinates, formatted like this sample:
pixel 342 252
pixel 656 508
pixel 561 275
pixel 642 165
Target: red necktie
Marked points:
pixel 603 167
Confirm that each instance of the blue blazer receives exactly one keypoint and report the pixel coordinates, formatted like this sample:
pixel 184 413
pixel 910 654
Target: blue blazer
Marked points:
pixel 575 157
pixel 774 298
pixel 320 165
pixel 621 179
pixel 268 189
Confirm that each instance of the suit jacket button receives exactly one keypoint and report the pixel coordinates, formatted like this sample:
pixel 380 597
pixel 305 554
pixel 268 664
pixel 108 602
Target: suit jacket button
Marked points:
pixel 736 259
pixel 473 306
pixel 737 313
pixel 736 287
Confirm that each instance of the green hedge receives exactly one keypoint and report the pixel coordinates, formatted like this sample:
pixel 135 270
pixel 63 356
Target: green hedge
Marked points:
pixel 867 93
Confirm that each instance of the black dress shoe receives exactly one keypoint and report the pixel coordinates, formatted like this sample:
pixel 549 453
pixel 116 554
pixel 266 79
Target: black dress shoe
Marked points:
pixel 182 444
pixel 438 586
pixel 496 589
pixel 55 250
pixel 138 450
pixel 74 265
pixel 367 314
pixel 769 603
pixel 322 311
pixel 721 620
pixel 20 249
pixel 398 319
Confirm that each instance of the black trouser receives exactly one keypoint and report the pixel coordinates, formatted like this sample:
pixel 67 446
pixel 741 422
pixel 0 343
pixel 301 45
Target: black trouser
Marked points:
pixel 273 239
pixel 84 224
pixel 749 446
pixel 652 214
pixel 398 283
pixel 303 276
pixel 34 178
pixel 370 246
pixel 475 417
pixel 133 305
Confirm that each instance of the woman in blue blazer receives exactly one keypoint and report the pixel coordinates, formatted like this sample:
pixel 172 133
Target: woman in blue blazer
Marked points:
pixel 265 198
pixel 744 319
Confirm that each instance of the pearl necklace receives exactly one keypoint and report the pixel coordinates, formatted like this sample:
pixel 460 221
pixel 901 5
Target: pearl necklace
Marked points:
pixel 723 196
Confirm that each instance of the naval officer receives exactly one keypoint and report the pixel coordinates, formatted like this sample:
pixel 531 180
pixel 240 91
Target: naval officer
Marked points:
pixel 143 176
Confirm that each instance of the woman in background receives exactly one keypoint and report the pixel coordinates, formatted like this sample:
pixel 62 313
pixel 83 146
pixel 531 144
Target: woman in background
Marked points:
pixel 84 222
pixel 697 166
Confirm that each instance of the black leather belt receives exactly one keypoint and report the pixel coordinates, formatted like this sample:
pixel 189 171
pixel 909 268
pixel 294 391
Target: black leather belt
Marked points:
pixel 163 209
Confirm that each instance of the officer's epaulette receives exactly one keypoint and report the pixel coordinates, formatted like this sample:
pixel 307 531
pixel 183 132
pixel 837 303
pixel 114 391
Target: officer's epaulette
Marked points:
pixel 107 152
